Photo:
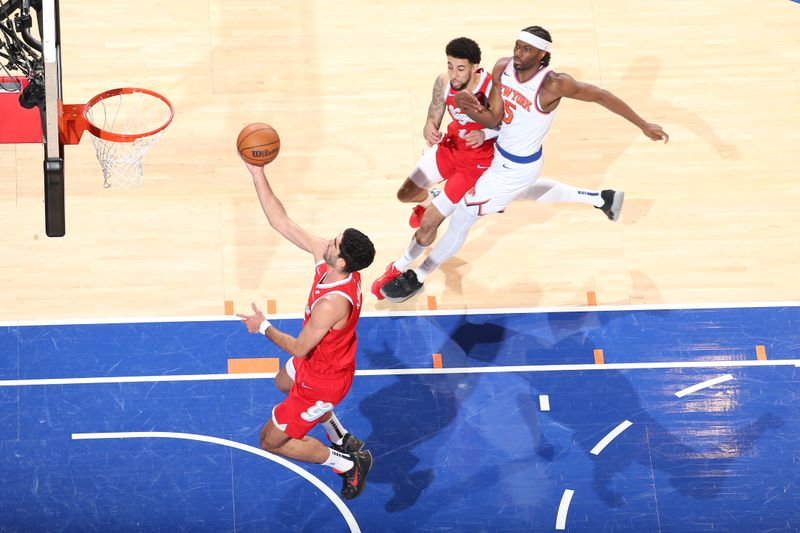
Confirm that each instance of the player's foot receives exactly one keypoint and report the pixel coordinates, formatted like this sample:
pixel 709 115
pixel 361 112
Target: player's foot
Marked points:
pixel 612 203
pixel 349 444
pixel 354 480
pixel 402 287
pixel 390 274
pixel 419 211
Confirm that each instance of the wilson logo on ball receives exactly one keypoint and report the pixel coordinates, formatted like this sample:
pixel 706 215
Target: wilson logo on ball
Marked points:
pixel 261 153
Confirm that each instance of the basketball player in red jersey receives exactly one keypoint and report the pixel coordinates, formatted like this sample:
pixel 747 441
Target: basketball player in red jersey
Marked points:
pixel 321 369
pixel 458 157
pixel 522 102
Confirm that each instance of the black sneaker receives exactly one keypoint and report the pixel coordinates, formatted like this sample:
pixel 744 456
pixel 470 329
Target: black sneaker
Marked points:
pixel 612 203
pixel 355 479
pixel 402 288
pixel 349 444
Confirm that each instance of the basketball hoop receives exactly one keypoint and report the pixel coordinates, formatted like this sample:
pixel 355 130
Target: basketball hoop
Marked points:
pixel 124 123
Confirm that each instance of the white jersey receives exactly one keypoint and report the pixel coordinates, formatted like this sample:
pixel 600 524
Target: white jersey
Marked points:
pixel 524 124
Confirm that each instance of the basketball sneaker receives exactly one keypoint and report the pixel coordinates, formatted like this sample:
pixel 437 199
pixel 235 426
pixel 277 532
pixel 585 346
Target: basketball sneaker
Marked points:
pixel 349 444
pixel 612 203
pixel 354 480
pixel 390 274
pixel 402 287
pixel 419 211
pixel 416 216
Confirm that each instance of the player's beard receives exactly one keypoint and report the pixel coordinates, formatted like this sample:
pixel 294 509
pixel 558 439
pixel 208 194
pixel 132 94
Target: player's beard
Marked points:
pixel 458 88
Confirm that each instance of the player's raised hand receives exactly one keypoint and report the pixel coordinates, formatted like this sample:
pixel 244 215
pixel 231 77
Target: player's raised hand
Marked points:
pixel 252 321
pixel 432 134
pixel 655 132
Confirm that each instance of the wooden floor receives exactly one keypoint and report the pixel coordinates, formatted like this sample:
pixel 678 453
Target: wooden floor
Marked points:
pixel 713 216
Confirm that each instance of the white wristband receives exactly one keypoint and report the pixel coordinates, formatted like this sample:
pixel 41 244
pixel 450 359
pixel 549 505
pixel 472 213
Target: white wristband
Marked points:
pixel 490 133
pixel 264 326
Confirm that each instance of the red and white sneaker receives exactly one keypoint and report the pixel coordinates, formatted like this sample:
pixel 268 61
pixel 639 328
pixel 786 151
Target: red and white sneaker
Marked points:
pixel 390 274
pixel 416 216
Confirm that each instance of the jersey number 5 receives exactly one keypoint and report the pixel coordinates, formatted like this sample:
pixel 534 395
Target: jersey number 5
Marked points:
pixel 508 116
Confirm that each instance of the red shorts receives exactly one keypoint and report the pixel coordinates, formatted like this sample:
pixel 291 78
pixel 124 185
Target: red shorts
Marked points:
pixel 461 168
pixel 310 399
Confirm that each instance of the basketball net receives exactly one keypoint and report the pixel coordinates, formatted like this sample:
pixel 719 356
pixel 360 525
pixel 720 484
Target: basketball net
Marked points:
pixel 117 121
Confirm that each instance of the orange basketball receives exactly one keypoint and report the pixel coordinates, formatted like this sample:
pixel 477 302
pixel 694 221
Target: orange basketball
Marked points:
pixel 258 143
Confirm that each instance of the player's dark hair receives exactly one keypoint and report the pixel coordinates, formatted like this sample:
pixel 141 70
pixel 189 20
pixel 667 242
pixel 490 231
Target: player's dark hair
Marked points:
pixel 464 48
pixel 356 249
pixel 544 34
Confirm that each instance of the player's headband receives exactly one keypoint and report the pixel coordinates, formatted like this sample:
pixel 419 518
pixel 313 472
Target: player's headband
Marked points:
pixel 533 40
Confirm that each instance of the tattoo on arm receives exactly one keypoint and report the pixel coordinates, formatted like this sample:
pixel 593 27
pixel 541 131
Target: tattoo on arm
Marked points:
pixel 436 109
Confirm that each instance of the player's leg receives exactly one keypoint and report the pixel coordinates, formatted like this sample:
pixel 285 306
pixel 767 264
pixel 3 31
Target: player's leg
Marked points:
pixel 285 434
pixel 418 187
pixel 409 283
pixel 422 178
pixel 492 194
pixel 409 191
pixel 459 183
pixel 352 467
pixel 284 381
pixel 551 191
pixel 340 439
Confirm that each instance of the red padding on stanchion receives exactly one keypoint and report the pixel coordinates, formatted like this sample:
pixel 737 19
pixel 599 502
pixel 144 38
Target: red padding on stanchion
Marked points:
pixel 17 124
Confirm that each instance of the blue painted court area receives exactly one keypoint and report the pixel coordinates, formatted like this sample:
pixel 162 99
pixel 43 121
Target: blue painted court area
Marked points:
pixel 469 447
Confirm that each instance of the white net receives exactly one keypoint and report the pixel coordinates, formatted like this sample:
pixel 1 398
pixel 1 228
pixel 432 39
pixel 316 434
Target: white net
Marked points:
pixel 131 113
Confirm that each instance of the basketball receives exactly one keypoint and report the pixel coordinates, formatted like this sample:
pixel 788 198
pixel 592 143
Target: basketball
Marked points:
pixel 258 143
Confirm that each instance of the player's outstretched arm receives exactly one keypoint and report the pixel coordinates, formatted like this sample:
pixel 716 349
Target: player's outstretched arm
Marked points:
pixel 490 116
pixel 326 314
pixel 564 85
pixel 278 219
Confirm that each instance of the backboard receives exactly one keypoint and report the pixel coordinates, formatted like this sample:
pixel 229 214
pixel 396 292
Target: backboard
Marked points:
pixel 30 68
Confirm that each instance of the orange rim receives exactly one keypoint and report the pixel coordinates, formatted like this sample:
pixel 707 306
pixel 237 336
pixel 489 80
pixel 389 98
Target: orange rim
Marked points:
pixel 124 137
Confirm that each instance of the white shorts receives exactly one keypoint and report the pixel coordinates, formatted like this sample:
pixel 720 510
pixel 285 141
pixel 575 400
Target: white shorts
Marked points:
pixel 501 184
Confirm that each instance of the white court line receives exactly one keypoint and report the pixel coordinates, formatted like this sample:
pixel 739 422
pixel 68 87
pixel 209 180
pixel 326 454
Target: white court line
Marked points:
pixel 563 509
pixel 420 312
pixel 708 383
pixel 613 434
pixel 544 402
pixel 407 372
pixel 332 496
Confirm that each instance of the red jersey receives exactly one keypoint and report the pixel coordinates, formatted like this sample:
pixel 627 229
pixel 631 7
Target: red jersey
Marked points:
pixel 336 352
pixel 461 124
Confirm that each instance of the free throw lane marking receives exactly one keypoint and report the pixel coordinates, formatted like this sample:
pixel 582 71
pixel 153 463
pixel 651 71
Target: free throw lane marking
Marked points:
pixel 613 434
pixel 598 357
pixel 253 365
pixel 544 402
pixel 563 509
pixel 761 352
pixel 703 385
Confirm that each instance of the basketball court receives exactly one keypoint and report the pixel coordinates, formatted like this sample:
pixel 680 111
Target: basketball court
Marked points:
pixel 562 372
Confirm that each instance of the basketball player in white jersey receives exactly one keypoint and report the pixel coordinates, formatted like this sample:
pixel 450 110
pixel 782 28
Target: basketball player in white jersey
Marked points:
pixel 524 96
pixel 319 373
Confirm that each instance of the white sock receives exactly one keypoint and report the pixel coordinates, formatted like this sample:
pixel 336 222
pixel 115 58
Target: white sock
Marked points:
pixel 413 251
pixel 338 461
pixel 450 243
pixel 550 191
pixel 334 429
